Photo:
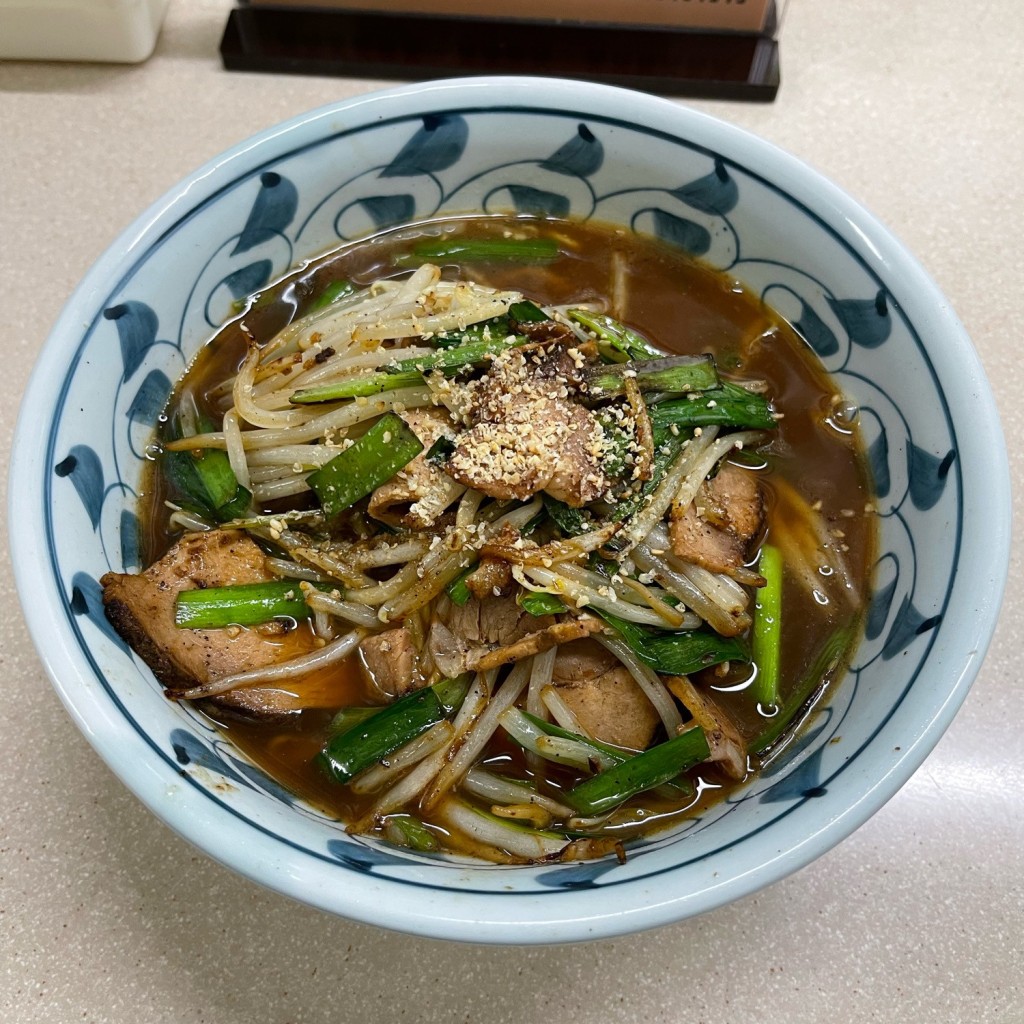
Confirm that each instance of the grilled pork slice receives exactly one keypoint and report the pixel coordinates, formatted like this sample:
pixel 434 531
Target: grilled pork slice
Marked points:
pixel 141 609
pixel 461 635
pixel 493 622
pixel 527 434
pixel 392 662
pixel 417 495
pixel 565 631
pixel 491 578
pixel 602 694
pixel 546 331
pixel 544 444
pixel 717 529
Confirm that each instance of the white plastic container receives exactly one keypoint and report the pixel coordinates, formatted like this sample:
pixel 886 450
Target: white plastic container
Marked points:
pixel 123 31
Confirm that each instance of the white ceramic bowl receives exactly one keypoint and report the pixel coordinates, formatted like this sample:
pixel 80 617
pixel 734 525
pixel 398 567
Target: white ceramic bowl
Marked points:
pixel 538 146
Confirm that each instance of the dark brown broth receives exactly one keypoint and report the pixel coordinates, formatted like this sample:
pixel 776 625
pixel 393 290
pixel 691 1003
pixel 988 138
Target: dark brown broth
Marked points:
pixel 681 305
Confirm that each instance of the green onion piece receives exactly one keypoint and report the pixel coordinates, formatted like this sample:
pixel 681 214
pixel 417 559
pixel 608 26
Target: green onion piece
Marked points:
pixel 245 604
pixel 449 340
pixel 333 291
pixel 349 718
pixel 405 830
pixel 388 446
pixel 541 604
pixel 676 653
pixel 216 476
pixel 359 386
pixel 440 451
pixel 524 312
pixel 483 330
pixel 616 334
pixel 604 753
pixel 647 770
pixel 728 405
pixel 527 312
pixel 347 754
pixel 667 448
pixel 448 360
pixel 493 250
pixel 532 525
pixel 207 480
pixel 571 521
pixel 619 444
pixel 407 373
pixel 766 642
pixel 240 505
pixel 827 660
pixel 669 373
pixel 458 592
pixel 679 654
pixel 605 566
pixel 616 754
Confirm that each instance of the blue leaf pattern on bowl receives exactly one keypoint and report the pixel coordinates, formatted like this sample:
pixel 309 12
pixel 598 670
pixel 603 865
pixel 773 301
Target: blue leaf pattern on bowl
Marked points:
pixel 878 457
pixel 928 474
pixel 87 599
pixel 130 532
pixel 908 625
pixel 83 468
pixel 881 599
pixel 715 192
pixel 362 857
pixel 539 202
pixel 580 156
pixel 385 211
pixel 258 778
pixel 682 233
pixel 214 755
pixel 272 211
pixel 248 279
pixel 150 399
pixel 136 329
pixel 816 332
pixel 805 780
pixel 580 875
pixel 866 321
pixel 192 752
pixel 435 147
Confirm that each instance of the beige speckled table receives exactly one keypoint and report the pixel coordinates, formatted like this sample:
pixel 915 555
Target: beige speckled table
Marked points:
pixel 917 109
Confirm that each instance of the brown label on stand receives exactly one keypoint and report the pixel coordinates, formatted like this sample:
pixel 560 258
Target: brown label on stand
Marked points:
pixel 717 15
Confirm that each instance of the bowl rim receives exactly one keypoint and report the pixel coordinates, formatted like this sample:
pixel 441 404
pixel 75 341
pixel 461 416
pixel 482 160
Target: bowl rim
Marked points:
pixel 568 915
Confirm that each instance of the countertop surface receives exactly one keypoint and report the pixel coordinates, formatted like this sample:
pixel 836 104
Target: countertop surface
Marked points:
pixel 917 110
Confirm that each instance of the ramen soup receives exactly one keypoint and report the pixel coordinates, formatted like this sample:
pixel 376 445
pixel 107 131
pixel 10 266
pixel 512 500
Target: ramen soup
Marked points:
pixel 512 538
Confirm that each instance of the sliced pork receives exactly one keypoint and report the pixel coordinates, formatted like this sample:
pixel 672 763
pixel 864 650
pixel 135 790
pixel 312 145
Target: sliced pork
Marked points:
pixel 527 432
pixel 718 529
pixel 417 496
pixel 141 608
pixel 600 691
pixel 392 662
